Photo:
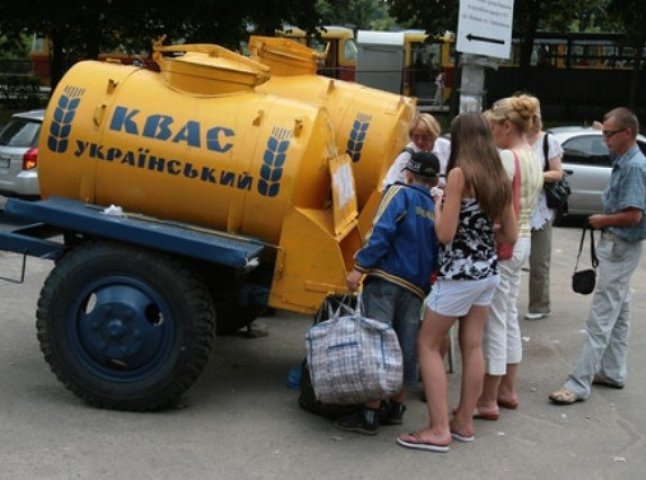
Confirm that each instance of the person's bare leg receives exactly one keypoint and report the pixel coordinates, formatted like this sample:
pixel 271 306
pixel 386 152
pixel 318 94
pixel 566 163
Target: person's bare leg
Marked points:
pixel 507 395
pixel 471 329
pixel 431 336
pixel 488 402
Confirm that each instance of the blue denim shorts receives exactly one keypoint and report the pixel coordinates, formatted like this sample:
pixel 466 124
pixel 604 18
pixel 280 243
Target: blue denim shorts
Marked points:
pixel 400 308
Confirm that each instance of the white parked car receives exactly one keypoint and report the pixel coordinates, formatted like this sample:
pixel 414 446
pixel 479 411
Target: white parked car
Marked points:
pixel 19 154
pixel 587 163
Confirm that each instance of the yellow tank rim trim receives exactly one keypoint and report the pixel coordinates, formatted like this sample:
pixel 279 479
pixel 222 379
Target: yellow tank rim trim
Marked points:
pixel 206 69
pixel 283 50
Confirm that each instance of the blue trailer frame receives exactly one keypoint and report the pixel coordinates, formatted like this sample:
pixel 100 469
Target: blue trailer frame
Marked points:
pixel 44 220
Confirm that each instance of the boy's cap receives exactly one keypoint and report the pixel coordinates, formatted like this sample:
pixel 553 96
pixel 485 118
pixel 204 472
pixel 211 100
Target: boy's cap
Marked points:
pixel 425 164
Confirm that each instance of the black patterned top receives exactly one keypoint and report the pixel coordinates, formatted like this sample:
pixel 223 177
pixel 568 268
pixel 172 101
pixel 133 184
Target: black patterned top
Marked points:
pixel 472 253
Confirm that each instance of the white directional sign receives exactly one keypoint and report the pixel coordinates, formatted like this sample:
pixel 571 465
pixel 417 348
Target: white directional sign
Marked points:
pixel 484 27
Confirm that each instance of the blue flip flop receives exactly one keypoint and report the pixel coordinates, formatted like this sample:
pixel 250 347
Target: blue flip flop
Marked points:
pixel 414 441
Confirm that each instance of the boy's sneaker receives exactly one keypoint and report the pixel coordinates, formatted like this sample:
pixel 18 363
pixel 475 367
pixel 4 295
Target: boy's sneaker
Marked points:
pixel 391 413
pixel 366 422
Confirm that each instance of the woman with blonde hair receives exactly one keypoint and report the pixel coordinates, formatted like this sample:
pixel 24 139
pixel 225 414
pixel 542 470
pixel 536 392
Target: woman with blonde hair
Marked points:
pixel 511 120
pixel 424 133
pixel 477 197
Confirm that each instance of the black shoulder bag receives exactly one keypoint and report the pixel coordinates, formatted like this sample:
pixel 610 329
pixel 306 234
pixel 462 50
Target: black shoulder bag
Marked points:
pixel 556 193
pixel 583 281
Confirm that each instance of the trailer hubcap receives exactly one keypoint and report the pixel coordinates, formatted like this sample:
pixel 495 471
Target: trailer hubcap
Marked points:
pixel 122 327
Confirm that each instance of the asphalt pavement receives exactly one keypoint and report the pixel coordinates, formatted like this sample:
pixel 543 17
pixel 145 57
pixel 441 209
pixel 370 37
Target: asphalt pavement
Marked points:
pixel 241 421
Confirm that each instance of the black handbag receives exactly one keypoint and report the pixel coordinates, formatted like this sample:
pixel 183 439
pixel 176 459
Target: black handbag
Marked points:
pixel 556 193
pixel 583 281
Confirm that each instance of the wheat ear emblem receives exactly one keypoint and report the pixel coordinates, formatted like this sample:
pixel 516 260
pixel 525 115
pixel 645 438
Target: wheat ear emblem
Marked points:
pixel 61 126
pixel 273 160
pixel 357 136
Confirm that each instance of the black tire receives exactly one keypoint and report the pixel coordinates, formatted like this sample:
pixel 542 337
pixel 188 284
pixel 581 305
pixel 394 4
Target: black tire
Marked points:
pixel 123 327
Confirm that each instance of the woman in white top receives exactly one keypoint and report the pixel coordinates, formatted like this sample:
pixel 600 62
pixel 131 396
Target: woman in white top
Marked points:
pixel 425 134
pixel 510 120
pixel 549 152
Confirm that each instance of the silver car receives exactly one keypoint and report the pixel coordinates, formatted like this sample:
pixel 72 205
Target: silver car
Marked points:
pixel 19 154
pixel 587 163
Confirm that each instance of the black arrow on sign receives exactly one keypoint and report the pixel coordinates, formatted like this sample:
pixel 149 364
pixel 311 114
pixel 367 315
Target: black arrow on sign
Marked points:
pixel 485 39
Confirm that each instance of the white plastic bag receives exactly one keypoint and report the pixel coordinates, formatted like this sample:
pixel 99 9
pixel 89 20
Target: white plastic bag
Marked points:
pixel 353 359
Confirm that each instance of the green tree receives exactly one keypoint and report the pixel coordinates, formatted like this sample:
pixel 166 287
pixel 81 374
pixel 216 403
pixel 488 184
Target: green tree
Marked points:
pixel 631 16
pixel 83 28
pixel 530 16
pixel 553 15
pixel 14 47
pixel 359 14
pixel 65 27
pixel 588 16
pixel 435 16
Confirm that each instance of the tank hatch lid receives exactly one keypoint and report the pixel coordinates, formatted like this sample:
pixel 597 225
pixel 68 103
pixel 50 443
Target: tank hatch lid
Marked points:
pixel 204 69
pixel 283 56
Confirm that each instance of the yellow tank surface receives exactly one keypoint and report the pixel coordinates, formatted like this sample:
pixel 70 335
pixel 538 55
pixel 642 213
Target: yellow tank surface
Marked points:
pixel 195 143
pixel 370 125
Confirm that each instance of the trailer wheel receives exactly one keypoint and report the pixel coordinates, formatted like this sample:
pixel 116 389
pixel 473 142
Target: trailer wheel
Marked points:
pixel 123 327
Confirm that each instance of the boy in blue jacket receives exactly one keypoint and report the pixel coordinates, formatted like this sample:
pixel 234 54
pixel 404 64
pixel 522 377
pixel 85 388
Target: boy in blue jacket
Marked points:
pixel 397 261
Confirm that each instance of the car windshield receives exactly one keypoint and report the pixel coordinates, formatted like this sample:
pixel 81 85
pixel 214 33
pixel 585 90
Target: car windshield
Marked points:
pixel 20 133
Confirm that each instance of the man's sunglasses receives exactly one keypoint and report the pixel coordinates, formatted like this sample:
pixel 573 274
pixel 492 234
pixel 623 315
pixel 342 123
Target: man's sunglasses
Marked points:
pixel 610 133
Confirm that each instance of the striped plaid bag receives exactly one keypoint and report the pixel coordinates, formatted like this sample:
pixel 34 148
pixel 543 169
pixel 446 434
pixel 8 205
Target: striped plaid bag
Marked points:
pixel 353 359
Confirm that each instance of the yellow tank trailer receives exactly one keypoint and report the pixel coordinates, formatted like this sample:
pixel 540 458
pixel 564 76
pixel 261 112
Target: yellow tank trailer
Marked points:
pixel 369 124
pixel 195 143
pixel 148 176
